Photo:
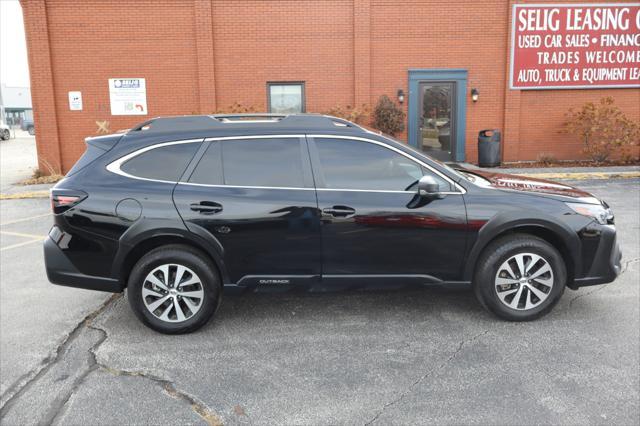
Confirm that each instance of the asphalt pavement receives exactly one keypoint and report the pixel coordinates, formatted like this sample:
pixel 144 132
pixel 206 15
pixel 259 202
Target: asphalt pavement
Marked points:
pixel 77 357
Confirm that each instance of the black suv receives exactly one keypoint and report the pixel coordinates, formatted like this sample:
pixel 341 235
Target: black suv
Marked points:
pixel 180 209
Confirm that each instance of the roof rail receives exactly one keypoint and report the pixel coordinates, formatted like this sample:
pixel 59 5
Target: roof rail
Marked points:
pixel 205 122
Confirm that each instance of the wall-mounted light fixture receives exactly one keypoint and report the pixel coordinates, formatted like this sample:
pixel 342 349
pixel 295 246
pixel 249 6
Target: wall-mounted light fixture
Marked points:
pixel 475 95
pixel 400 95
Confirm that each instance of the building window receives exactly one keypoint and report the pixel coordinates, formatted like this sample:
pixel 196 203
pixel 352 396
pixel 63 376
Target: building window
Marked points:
pixel 285 98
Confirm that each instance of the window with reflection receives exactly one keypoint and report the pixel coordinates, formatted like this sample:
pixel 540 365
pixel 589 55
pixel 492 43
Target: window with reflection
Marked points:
pixel 286 98
pixel 352 164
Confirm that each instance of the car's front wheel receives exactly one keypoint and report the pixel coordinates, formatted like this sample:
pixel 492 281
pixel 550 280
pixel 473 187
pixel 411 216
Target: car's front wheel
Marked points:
pixel 5 135
pixel 174 289
pixel 520 277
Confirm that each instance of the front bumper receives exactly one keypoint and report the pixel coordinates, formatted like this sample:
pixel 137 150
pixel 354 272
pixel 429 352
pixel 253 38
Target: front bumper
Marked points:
pixel 62 272
pixel 606 264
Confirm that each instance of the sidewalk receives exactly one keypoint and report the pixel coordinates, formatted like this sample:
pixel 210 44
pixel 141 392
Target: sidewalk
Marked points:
pixel 568 173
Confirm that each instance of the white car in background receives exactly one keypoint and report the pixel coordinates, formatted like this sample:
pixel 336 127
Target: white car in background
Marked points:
pixel 4 131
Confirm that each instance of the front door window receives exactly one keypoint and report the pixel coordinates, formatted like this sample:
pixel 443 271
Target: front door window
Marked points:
pixel 436 127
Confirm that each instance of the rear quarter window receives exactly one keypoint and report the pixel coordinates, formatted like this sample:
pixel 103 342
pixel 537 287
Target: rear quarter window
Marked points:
pixel 166 163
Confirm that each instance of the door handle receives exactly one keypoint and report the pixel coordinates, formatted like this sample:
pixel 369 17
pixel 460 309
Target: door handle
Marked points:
pixel 206 207
pixel 339 211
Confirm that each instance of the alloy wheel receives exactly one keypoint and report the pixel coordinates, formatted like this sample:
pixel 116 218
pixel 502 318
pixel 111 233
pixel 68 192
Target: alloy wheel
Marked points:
pixel 524 281
pixel 172 293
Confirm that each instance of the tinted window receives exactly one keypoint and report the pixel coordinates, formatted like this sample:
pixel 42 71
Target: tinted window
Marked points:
pixel 348 164
pixel 90 155
pixel 163 163
pixel 263 162
pixel 209 168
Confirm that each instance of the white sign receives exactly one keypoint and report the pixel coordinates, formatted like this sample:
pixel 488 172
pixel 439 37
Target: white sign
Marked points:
pixel 128 96
pixel 75 101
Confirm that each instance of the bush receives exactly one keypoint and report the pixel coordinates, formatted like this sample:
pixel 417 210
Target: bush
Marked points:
pixel 236 108
pixel 604 129
pixel 388 117
pixel 359 115
pixel 547 159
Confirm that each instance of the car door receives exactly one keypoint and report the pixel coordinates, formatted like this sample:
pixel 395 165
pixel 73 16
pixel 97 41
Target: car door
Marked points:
pixel 374 225
pixel 254 197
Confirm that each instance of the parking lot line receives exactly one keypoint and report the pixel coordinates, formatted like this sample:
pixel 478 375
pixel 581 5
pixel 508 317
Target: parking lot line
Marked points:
pixel 25 219
pixel 12 246
pixel 21 234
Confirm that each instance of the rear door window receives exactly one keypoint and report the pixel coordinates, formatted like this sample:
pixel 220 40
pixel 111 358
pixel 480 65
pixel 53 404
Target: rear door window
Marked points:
pixel 276 162
pixel 209 168
pixel 165 163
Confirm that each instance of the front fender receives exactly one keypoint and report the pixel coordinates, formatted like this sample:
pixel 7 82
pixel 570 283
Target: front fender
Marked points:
pixel 508 222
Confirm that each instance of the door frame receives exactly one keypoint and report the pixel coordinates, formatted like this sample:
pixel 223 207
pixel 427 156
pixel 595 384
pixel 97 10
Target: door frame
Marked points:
pixel 458 76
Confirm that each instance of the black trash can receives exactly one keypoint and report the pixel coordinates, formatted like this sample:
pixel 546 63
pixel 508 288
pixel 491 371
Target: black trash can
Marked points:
pixel 489 148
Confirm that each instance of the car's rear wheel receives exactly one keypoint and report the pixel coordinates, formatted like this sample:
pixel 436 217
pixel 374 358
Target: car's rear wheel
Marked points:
pixel 520 277
pixel 31 130
pixel 5 134
pixel 174 289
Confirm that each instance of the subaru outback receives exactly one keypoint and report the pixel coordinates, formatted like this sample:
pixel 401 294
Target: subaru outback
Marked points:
pixel 180 210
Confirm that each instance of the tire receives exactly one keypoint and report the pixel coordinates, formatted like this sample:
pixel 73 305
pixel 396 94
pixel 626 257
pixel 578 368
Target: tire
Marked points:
pixel 5 135
pixel 149 275
pixel 499 272
pixel 31 130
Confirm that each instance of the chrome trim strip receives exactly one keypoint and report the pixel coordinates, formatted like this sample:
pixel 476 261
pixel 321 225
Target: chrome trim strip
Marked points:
pixel 462 190
pixel 302 188
pixel 114 167
pixel 245 187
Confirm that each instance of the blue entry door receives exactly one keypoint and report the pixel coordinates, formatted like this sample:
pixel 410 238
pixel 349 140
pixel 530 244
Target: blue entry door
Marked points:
pixel 437 112
pixel 437 119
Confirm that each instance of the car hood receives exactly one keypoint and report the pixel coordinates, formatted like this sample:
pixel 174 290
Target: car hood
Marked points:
pixel 527 184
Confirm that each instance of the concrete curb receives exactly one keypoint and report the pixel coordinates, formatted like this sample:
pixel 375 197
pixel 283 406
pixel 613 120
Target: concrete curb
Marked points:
pixel 583 175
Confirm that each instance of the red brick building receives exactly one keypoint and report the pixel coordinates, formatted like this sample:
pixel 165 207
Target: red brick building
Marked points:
pixel 199 56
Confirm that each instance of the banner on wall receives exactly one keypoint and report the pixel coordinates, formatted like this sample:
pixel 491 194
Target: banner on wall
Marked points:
pixel 575 46
pixel 128 96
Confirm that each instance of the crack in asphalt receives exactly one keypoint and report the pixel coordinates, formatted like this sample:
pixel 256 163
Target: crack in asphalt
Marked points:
pixel 625 266
pixel 59 404
pixel 424 376
pixel 23 383
pixel 208 415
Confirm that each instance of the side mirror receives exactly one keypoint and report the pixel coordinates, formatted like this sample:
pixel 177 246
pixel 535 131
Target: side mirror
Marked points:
pixel 429 188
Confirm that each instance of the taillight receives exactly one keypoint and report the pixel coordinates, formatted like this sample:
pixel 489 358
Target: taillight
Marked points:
pixel 63 200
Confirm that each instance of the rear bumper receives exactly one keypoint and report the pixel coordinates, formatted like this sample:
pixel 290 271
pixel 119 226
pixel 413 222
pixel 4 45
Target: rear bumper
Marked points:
pixel 607 262
pixel 61 271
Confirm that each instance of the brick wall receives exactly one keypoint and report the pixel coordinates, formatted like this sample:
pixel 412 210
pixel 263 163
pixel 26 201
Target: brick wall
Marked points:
pixel 201 55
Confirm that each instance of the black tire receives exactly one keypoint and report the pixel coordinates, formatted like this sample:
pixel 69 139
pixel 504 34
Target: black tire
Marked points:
pixel 498 252
pixel 31 130
pixel 178 255
pixel 5 135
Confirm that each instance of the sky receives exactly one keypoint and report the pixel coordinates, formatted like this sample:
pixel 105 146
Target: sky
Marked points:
pixel 14 69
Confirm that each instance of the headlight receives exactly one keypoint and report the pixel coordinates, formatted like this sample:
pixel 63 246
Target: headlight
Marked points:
pixel 599 212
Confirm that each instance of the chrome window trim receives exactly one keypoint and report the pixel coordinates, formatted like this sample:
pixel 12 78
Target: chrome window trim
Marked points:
pixel 460 191
pixel 114 166
pixel 246 186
